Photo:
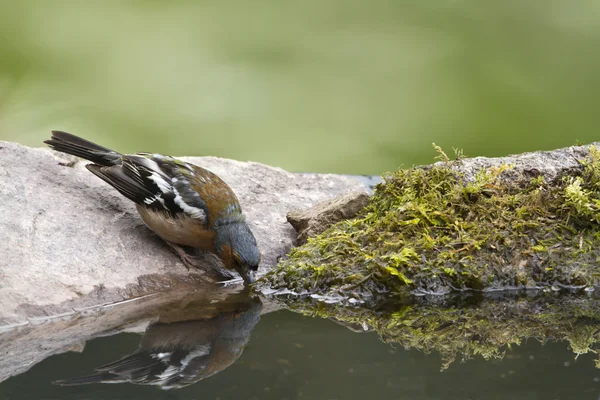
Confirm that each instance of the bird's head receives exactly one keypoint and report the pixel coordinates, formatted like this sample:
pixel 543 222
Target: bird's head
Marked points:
pixel 237 247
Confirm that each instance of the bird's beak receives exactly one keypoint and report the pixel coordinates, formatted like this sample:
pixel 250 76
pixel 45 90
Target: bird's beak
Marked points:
pixel 247 275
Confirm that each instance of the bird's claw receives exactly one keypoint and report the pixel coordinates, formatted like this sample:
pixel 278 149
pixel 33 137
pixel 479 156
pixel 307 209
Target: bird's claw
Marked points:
pixel 189 261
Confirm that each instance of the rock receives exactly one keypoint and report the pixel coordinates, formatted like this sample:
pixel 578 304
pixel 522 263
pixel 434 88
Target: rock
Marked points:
pixel 321 216
pixel 370 181
pixel 71 241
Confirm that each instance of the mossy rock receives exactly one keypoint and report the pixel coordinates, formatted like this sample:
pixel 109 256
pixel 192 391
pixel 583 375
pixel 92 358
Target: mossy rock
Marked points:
pixel 446 227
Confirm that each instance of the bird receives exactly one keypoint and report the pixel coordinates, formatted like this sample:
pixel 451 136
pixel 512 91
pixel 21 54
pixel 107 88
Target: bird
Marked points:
pixel 179 353
pixel 186 205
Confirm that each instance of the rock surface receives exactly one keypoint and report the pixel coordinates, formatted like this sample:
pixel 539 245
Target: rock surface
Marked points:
pixel 70 241
pixel 312 221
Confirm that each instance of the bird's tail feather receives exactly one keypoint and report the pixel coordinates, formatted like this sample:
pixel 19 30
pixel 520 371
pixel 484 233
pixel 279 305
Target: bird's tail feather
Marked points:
pixel 74 145
pixel 105 377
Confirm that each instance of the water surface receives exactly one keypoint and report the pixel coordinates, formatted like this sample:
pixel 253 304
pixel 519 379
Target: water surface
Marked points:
pixel 289 356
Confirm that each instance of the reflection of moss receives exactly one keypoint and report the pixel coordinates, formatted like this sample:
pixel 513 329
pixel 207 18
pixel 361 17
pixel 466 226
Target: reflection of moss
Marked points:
pixel 466 328
pixel 431 229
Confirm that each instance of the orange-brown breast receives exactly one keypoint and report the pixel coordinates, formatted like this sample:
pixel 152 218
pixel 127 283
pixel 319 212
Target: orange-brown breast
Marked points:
pixel 180 229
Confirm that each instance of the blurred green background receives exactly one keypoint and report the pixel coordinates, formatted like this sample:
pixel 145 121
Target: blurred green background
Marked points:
pixel 346 86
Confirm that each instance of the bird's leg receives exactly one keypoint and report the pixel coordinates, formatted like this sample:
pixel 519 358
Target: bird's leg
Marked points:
pixel 191 261
pixel 188 260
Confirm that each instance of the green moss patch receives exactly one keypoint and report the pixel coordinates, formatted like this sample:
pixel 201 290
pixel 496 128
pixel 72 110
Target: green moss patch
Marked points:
pixel 430 229
pixel 461 329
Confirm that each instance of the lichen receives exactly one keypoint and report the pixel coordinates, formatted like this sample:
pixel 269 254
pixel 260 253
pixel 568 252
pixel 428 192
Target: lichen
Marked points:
pixel 470 327
pixel 431 229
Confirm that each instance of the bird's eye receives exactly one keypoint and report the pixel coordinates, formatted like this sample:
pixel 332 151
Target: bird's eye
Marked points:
pixel 253 267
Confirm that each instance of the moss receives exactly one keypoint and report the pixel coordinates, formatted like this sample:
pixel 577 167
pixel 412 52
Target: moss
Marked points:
pixel 431 229
pixel 465 328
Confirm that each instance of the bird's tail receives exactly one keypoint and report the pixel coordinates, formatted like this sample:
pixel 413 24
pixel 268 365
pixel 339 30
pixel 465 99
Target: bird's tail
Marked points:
pixel 74 145
pixel 105 377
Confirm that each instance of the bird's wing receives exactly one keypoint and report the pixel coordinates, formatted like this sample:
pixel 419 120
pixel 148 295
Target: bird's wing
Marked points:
pixel 139 367
pixel 157 182
pixel 160 366
pixel 186 367
pixel 125 184
pixel 196 188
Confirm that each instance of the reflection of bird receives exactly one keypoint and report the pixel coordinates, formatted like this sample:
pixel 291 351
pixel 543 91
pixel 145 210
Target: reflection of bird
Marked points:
pixel 178 354
pixel 184 204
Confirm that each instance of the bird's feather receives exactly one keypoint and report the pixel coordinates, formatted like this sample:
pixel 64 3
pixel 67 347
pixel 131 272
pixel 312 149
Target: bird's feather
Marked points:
pixel 74 145
pixel 178 367
pixel 157 182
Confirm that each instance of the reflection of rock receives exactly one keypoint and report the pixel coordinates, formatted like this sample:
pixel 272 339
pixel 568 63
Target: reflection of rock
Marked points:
pixel 71 241
pixel 187 348
pixel 470 326
pixel 321 216
pixel 75 348
pixel 21 347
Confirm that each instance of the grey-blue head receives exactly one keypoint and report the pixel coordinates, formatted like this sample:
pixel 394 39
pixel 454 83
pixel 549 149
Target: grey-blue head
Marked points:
pixel 237 248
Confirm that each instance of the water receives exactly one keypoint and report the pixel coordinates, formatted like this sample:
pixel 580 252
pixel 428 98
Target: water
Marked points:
pixel 290 356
